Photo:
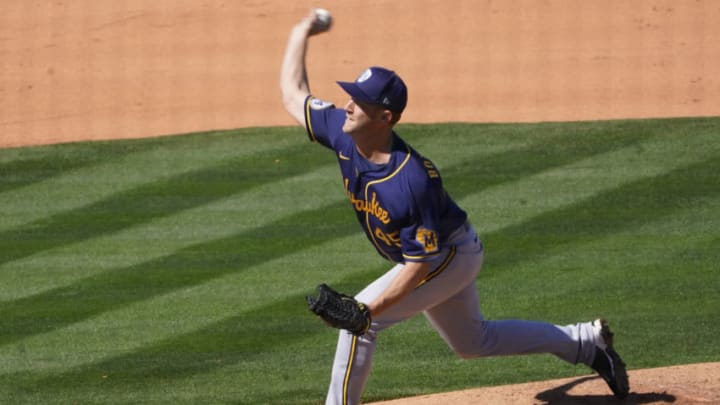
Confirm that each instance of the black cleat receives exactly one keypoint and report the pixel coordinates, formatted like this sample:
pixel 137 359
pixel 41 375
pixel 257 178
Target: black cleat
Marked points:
pixel 607 362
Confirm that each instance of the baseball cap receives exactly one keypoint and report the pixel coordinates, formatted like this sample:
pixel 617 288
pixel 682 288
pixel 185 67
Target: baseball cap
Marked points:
pixel 377 85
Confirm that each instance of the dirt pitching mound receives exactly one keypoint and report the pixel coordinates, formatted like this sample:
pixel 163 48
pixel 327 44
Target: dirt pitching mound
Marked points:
pixel 678 385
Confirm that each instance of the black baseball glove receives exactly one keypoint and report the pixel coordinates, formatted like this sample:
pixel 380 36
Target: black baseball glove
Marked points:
pixel 340 311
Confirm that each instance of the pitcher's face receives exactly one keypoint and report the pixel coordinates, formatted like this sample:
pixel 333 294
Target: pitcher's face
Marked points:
pixel 362 117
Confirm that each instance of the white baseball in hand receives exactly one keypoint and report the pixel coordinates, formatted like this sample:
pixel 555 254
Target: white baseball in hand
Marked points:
pixel 323 20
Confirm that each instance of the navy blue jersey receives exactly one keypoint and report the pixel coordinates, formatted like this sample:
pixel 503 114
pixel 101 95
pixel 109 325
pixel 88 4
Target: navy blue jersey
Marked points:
pixel 402 205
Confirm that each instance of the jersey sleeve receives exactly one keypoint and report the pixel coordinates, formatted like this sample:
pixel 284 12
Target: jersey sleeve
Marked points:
pixel 421 240
pixel 323 122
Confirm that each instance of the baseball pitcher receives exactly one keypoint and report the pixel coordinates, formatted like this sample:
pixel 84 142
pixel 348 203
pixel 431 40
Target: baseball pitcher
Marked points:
pixel 410 219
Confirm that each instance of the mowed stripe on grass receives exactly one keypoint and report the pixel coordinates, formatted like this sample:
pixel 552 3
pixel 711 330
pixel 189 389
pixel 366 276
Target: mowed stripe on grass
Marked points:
pixel 245 251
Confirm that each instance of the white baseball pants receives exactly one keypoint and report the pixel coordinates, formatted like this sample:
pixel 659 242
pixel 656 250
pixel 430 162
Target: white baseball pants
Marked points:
pixel 450 303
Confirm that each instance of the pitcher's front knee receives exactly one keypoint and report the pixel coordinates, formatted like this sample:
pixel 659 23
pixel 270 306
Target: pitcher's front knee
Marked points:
pixel 471 349
pixel 471 342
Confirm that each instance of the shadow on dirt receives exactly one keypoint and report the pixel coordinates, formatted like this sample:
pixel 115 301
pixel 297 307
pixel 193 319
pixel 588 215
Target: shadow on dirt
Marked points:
pixel 560 396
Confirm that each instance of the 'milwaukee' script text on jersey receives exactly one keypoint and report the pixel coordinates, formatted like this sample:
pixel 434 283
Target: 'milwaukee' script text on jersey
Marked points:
pixel 372 207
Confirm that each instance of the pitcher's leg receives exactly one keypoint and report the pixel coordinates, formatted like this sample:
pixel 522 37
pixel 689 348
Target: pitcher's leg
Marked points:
pixel 460 323
pixel 353 355
pixel 351 368
pixel 572 343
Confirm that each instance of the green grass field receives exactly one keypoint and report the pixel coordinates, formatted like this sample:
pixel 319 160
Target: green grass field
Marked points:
pixel 173 270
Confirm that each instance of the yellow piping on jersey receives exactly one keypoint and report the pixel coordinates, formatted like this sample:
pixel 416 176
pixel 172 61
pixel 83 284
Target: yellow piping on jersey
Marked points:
pixel 440 268
pixel 420 257
pixel 367 188
pixel 308 124
pixel 346 382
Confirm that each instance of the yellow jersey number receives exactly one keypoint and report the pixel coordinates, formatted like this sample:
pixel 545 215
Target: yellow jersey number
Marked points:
pixel 431 170
pixel 389 238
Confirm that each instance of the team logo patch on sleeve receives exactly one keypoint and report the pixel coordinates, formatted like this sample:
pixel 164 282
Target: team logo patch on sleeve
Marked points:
pixel 428 239
pixel 317 104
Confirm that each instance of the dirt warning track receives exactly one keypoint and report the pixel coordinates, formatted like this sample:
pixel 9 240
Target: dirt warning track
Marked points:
pixel 101 69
